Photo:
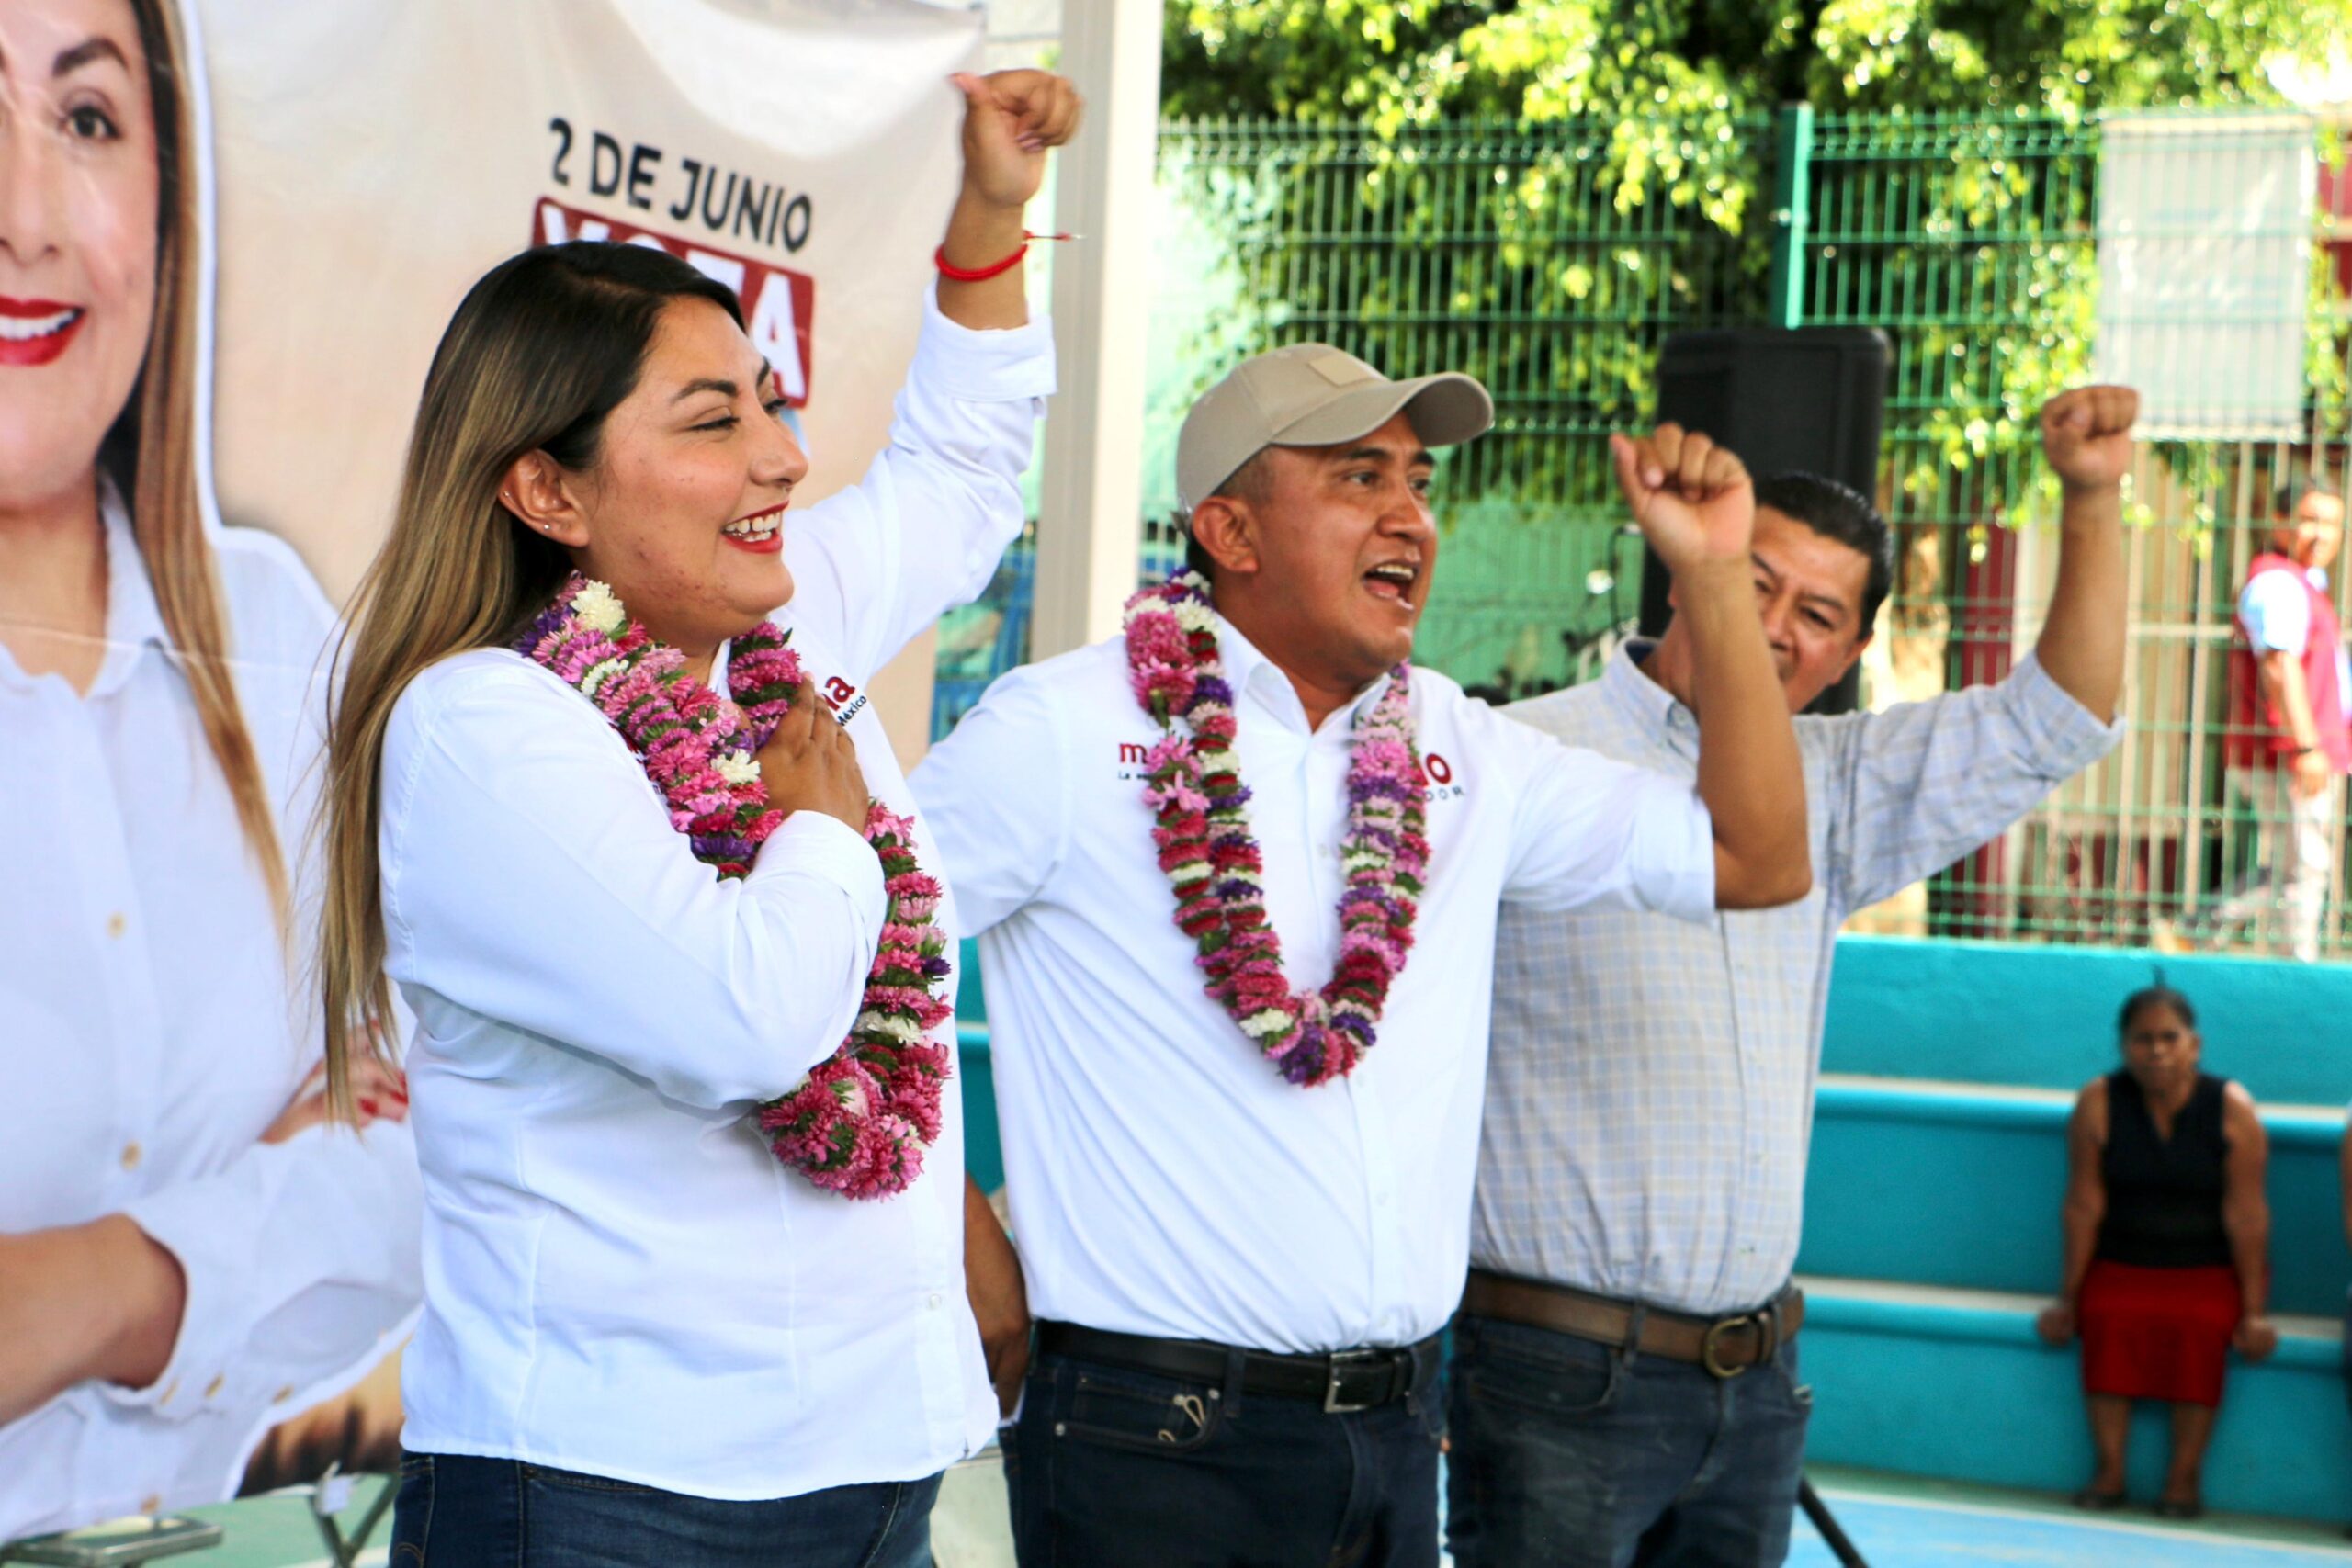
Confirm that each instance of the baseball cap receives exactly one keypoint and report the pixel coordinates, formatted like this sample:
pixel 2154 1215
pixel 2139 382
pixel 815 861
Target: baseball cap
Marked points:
pixel 1310 394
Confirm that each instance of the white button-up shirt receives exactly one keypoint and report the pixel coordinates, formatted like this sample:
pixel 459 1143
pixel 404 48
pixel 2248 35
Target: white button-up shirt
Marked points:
pixel 1165 1180
pixel 151 1030
pixel 619 1276
pixel 1650 1100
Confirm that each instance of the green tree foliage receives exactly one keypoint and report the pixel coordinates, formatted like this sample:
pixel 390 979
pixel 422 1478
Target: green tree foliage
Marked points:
pixel 1396 62
pixel 1628 157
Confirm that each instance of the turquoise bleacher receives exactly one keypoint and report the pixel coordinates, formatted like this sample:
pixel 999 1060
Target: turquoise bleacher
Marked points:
pixel 1932 1211
pixel 1931 1215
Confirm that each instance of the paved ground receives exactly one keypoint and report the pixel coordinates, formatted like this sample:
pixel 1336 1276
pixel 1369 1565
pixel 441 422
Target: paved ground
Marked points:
pixel 1901 1523
pixel 1898 1523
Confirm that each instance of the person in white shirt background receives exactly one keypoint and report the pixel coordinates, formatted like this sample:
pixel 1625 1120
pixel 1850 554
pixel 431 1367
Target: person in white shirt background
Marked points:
pixel 2289 741
pixel 186 1254
pixel 1238 1277
pixel 645 1339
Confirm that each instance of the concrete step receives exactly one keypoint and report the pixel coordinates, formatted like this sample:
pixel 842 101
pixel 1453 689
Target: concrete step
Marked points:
pixel 1959 1185
pixel 2044 1016
pixel 1955 1385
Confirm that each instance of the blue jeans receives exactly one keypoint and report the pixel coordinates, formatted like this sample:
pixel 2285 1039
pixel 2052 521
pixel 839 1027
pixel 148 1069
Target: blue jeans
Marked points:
pixel 1573 1455
pixel 1109 1467
pixel 455 1511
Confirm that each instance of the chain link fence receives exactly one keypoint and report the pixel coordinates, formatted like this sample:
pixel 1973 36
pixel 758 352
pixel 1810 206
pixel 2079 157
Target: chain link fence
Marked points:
pixel 1552 262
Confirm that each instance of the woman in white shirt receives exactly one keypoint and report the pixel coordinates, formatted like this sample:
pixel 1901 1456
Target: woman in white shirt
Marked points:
pixel 185 1254
pixel 645 1338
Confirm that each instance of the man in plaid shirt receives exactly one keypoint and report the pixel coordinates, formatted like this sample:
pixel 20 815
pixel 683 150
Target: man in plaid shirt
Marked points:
pixel 1625 1385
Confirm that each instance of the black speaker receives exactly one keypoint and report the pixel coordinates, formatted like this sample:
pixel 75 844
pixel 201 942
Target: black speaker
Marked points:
pixel 1810 397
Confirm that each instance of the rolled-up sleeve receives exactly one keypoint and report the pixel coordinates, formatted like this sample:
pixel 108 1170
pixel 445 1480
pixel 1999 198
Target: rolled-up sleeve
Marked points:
pixel 302 1271
pixel 1593 833
pixel 1925 783
pixel 922 530
pixel 531 874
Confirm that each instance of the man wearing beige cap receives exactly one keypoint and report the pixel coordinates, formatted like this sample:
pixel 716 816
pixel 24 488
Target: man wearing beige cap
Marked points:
pixel 1236 878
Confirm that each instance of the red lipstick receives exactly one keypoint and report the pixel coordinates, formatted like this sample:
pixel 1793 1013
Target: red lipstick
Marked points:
pixel 35 332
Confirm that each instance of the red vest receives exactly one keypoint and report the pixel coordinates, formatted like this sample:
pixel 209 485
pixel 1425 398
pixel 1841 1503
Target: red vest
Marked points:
pixel 2259 733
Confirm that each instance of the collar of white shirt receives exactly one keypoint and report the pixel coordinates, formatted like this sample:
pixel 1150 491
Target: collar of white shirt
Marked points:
pixel 133 618
pixel 1250 673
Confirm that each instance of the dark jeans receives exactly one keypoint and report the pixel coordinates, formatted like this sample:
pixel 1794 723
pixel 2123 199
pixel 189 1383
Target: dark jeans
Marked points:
pixel 1568 1454
pixel 456 1511
pixel 1109 1467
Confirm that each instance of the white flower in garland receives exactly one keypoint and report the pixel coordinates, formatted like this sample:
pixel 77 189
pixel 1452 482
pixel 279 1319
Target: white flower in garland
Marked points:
pixel 904 1030
pixel 1195 616
pixel 598 609
pixel 736 768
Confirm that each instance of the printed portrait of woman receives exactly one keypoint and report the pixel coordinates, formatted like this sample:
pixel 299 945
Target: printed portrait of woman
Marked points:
pixel 190 1255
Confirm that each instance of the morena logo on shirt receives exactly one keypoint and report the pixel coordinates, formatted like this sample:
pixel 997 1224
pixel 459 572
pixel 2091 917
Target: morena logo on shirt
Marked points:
pixel 842 699
pixel 1441 775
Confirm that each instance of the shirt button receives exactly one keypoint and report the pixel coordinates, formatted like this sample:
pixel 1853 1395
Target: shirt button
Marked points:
pixel 131 1154
pixel 282 1395
pixel 935 1299
pixel 151 1504
pixel 116 923
pixel 212 1389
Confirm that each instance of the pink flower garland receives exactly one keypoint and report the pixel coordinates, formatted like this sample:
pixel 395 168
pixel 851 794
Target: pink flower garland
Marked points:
pixel 1216 866
pixel 859 1122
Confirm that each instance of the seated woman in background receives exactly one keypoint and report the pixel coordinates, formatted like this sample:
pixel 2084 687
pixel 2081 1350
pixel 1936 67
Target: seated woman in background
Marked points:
pixel 2167 1236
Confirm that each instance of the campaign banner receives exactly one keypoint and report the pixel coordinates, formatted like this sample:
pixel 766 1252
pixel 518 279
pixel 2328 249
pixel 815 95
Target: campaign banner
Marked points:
pixel 374 157
pixel 231 237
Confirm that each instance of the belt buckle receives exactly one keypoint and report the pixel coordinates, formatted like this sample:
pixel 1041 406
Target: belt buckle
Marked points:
pixel 1340 1361
pixel 1712 1342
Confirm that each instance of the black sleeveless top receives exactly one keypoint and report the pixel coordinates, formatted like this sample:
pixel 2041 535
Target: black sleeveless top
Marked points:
pixel 2164 1197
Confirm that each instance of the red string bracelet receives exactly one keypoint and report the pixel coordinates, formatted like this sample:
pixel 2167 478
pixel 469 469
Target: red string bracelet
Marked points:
pixel 982 274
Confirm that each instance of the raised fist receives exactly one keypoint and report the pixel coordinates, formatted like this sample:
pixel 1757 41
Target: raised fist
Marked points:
pixel 2086 435
pixel 1691 497
pixel 1011 118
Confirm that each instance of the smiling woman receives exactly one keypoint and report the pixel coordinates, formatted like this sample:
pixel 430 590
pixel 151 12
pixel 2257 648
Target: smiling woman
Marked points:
pixel 647 877
pixel 164 1194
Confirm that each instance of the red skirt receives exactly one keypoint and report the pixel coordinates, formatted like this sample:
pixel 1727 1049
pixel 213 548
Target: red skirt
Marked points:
pixel 2157 1332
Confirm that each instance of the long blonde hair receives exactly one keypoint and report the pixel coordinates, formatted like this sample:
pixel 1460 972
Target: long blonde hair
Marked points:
pixel 151 451
pixel 540 351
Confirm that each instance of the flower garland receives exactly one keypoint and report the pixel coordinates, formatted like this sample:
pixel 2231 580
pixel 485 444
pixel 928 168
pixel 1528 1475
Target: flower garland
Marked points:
pixel 859 1122
pixel 1200 807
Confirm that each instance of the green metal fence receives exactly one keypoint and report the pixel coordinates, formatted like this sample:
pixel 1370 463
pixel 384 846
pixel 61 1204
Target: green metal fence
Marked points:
pixel 1974 246
pixel 1553 261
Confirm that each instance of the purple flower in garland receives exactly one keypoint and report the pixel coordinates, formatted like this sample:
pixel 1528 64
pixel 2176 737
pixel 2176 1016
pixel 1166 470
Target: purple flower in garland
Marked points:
pixel 859 1124
pixel 1216 866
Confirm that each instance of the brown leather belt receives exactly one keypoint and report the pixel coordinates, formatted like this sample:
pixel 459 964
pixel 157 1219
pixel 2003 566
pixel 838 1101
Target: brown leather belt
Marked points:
pixel 1724 1346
